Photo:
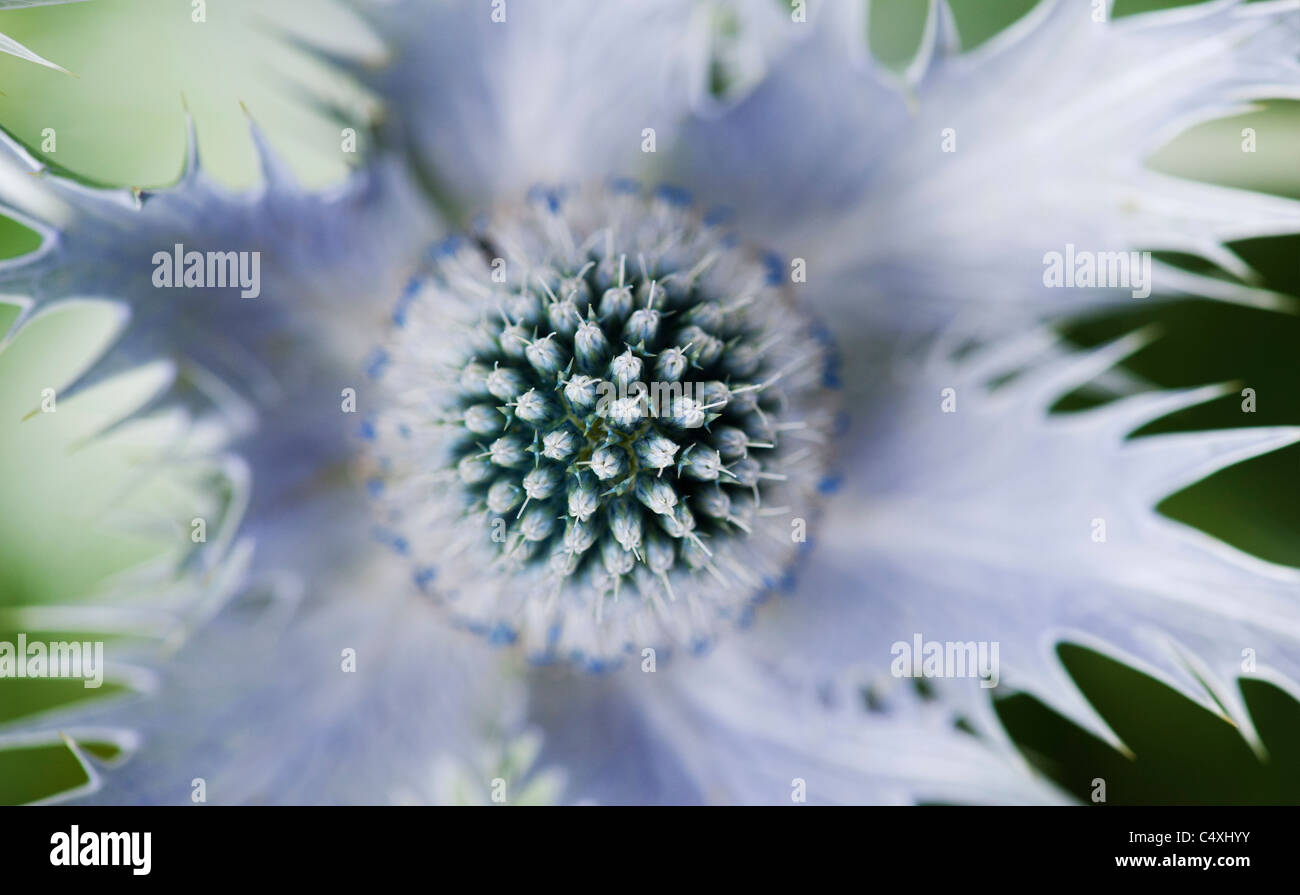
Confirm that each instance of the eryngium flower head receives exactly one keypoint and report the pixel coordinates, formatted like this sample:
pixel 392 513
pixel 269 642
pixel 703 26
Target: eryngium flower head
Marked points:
pixel 601 425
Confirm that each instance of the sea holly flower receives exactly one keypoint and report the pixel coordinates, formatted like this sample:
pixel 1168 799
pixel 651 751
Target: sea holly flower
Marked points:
pixel 509 491
pixel 631 533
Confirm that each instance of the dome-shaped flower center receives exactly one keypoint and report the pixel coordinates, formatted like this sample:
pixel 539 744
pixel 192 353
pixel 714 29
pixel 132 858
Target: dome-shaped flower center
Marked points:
pixel 600 424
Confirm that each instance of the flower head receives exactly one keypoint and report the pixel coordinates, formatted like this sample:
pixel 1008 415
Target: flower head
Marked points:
pixel 543 493
pixel 597 420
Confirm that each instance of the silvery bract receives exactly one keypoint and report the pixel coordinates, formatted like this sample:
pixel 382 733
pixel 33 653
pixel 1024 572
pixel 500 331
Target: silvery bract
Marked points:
pixel 483 483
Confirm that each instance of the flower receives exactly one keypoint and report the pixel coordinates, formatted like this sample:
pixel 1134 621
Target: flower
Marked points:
pixel 972 524
pixel 620 428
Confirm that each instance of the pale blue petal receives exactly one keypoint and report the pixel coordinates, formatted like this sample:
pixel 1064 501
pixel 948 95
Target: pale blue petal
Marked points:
pixel 1049 127
pixel 331 269
pixel 731 729
pixel 982 525
pixel 259 706
pixel 557 92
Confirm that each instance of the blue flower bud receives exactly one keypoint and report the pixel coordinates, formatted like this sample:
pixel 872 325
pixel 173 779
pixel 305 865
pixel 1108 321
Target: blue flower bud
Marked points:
pixel 542 482
pixel 704 349
pixel 684 413
pixel 655 451
pixel 610 271
pixel 650 295
pixel 576 290
pixel 625 414
pixel 537 523
pixel 526 308
pixel 509 451
pixel 676 288
pixel 514 340
pixel 584 500
pixel 473 380
pixel 564 317
pixel 700 462
pixel 618 561
pixel 579 536
pixel 708 316
pixel 474 469
pixel 561 443
pixel 624 523
pixel 582 393
pixel 692 551
pixel 746 471
pixel 506 383
pixel 609 463
pixel 483 419
pixel 656 493
pixel 713 502
pixel 536 407
pixel 642 327
pixel 547 280
pixel 671 365
pixel 590 347
pixel 625 369
pixel 713 396
pixel 660 552
pixel 731 442
pixel 680 524
pixel 504 496
pixel 546 356
pixel 616 305
pixel 482 340
pixel 743 397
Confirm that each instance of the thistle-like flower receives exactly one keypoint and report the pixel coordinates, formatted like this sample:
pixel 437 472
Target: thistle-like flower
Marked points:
pixel 601 425
pixel 537 484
